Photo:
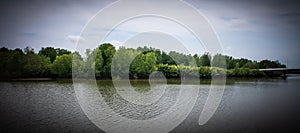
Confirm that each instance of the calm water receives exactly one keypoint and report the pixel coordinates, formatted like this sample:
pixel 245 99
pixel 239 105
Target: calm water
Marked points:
pixel 247 106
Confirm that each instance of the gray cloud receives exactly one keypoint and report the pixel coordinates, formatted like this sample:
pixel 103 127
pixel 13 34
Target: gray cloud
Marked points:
pixel 247 28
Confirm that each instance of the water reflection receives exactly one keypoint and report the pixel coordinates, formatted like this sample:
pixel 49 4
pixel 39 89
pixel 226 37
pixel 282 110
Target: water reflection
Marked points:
pixel 256 105
pixel 162 101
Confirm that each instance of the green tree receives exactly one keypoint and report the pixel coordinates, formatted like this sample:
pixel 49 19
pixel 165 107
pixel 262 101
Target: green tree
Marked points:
pixel 48 52
pixel 52 52
pixel 98 63
pixel 107 53
pixel 12 63
pixel 36 66
pixel 62 66
pixel 28 50
pixel 60 51
pixel 251 65
pixel 230 62
pixel 143 65
pixel 78 65
pixel 169 71
pixel 204 60
pixel 122 60
pixel 270 64
pixel 219 61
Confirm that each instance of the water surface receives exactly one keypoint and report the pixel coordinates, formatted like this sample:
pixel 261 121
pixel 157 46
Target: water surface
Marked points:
pixel 256 105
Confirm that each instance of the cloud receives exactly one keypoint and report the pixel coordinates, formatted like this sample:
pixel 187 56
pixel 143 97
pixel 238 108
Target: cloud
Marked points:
pixel 74 38
pixel 116 43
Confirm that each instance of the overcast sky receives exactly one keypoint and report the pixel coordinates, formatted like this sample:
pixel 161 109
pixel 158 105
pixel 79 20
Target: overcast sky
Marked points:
pixel 252 29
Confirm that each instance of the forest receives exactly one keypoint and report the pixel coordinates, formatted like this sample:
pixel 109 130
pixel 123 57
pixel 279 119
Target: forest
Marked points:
pixel 58 63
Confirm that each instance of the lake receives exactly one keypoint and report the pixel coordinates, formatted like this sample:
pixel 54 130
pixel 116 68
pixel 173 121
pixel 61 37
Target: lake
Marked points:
pixel 252 105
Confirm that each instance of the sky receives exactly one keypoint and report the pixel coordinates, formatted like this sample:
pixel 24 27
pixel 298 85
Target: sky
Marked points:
pixel 253 29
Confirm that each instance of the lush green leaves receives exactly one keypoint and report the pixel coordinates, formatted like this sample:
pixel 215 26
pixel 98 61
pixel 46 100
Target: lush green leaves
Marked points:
pixel 125 62
pixel 62 66
pixel 143 65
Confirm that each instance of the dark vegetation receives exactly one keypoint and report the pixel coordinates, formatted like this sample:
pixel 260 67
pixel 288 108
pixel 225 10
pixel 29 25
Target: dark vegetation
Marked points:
pixel 57 63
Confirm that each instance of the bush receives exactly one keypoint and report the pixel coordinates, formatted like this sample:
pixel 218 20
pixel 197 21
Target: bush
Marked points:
pixel 170 71
pixel 245 72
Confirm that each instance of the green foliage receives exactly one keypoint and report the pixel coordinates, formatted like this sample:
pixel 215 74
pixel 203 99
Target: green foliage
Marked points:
pixel 143 65
pixel 189 72
pixel 251 65
pixel 29 50
pixel 48 52
pixel 181 58
pixel 204 60
pixel 270 64
pixel 16 64
pixel 121 62
pixel 219 61
pixel 62 66
pixel 12 62
pixel 78 65
pixel 205 72
pixel 52 53
pixel 245 72
pixel 106 51
pixel 170 71
pixel 139 63
pixel 36 66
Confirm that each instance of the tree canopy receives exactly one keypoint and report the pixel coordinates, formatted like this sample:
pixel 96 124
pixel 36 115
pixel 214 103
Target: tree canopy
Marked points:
pixel 134 63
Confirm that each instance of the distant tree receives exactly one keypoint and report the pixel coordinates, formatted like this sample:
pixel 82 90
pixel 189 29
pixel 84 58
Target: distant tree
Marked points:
pixel 98 63
pixel 122 61
pixel 230 62
pixel 12 63
pixel 89 65
pixel 78 65
pixel 159 58
pixel 219 61
pixel 143 65
pixel 197 59
pixel 60 51
pixel 204 60
pixel 180 58
pixel 107 53
pixel 87 52
pixel 166 59
pixel 4 49
pixel 251 65
pixel 62 66
pixel 242 62
pixel 52 52
pixel 270 64
pixel 28 50
pixel 36 66
pixel 48 52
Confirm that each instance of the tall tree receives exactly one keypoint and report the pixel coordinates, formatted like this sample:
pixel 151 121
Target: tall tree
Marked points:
pixel 122 60
pixel 205 60
pixel 107 53
pixel 78 65
pixel 62 66
pixel 219 61
pixel 52 52
pixel 143 65
pixel 36 66
pixel 48 52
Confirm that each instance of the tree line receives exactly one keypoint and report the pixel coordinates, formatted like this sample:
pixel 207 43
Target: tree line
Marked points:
pixel 52 62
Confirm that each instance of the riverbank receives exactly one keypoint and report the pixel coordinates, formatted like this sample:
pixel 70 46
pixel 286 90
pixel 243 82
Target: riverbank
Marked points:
pixel 228 80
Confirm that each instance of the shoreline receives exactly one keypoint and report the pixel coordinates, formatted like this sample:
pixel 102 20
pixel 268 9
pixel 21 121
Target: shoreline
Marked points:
pixel 169 80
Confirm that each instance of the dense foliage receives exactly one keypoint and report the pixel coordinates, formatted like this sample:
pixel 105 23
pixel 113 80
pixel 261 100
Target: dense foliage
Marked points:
pixel 125 62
